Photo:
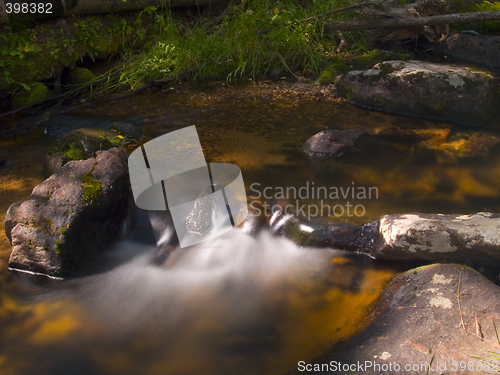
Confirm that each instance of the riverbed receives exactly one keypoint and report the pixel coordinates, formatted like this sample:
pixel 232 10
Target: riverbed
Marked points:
pixel 258 305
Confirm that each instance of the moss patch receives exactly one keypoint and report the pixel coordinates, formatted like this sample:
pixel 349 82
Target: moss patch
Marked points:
pixel 69 146
pixel 331 72
pixel 37 92
pixel 75 153
pixel 91 187
pixel 368 60
pixel 82 76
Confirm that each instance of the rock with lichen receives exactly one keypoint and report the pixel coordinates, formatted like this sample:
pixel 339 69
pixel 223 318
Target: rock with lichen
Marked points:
pixel 436 319
pixel 440 92
pixel 69 217
pixel 80 144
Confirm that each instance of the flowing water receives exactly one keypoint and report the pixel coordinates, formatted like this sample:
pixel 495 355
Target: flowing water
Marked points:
pixel 239 304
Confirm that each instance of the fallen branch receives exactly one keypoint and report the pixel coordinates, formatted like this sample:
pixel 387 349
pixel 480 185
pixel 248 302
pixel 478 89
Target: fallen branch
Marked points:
pixel 61 97
pixel 92 85
pixel 414 22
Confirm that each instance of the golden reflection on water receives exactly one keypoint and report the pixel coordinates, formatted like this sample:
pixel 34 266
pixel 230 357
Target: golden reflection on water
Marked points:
pixel 263 137
pixel 314 314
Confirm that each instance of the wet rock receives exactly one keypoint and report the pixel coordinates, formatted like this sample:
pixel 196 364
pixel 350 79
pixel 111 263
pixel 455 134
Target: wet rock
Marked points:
pixel 419 322
pixel 480 50
pixel 252 219
pixel 65 123
pixel 128 130
pixel 69 217
pixel 469 239
pixel 399 135
pixel 334 143
pixel 437 92
pixel 286 222
pixel 80 144
pixel 479 145
pixel 164 233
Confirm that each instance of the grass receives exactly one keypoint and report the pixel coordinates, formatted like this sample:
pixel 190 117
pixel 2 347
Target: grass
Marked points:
pixel 246 41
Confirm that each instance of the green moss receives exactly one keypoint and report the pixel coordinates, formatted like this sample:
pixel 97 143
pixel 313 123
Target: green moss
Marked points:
pixel 93 167
pixel 45 247
pixel 48 223
pixel 63 230
pixel 91 187
pixel 328 75
pixel 368 60
pixel 37 92
pixel 75 153
pixel 47 197
pixel 82 75
pixel 59 249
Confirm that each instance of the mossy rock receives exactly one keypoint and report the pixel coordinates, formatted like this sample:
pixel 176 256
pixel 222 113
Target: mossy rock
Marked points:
pixel 437 92
pixel 331 72
pixel 80 144
pixel 369 59
pixel 81 76
pixel 91 187
pixel 38 92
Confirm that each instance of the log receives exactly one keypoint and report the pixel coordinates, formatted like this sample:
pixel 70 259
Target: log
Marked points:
pixel 81 7
pixel 414 22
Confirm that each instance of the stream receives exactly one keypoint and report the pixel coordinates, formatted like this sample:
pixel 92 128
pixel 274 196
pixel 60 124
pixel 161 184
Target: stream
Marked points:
pixel 249 305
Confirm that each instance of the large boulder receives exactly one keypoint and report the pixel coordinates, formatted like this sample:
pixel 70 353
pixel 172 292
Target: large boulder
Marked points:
pixel 442 316
pixel 439 92
pixel 69 217
pixel 480 50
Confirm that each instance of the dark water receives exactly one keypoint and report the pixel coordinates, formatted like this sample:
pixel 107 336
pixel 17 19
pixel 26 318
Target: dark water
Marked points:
pixel 245 305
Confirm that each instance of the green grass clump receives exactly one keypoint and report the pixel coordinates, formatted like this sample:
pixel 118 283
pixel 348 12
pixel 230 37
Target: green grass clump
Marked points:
pixel 91 187
pixel 247 41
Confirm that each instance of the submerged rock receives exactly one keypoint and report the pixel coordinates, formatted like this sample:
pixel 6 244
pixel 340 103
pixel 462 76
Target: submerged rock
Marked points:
pixel 438 315
pixel 69 217
pixel 128 130
pixel 426 90
pixel 80 144
pixel 479 145
pixel 333 143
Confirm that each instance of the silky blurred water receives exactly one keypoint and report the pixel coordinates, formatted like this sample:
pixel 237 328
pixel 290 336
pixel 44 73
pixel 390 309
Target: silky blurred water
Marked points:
pixel 237 305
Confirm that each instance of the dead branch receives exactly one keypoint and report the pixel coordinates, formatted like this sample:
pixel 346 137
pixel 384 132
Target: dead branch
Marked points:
pixel 414 22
